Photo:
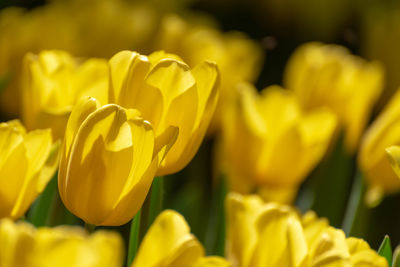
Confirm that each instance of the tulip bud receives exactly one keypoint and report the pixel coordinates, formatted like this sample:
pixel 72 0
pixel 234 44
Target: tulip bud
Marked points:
pixel 167 92
pixel 329 76
pixel 108 162
pixel 23 245
pixel 383 133
pixel 27 163
pixel 53 82
pixel 270 143
pixel 169 243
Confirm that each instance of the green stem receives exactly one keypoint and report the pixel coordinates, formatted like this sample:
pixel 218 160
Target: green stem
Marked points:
pixel 215 235
pixel 332 183
pixel 134 237
pixel 356 218
pixel 156 200
pixel 90 227
pixel 39 215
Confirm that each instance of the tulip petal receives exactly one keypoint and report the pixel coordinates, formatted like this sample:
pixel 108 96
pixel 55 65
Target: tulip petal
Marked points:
pixel 97 155
pixel 281 241
pixel 393 153
pixel 13 168
pixel 212 262
pixel 168 242
pixel 83 108
pixel 172 78
pixel 129 88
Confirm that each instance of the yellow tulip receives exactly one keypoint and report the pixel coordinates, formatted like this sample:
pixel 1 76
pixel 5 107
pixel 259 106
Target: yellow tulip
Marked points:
pixel 329 76
pixel 28 160
pixel 167 92
pixel 274 235
pixel 131 25
pixel 169 243
pixel 383 133
pixel 238 57
pixel 21 245
pixel 108 162
pixel 269 142
pixel 53 83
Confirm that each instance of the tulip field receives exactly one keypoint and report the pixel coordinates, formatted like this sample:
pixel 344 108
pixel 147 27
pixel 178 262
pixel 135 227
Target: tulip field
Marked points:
pixel 198 133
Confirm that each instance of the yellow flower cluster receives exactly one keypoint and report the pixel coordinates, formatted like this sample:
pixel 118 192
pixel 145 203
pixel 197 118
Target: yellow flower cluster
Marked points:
pixel 82 28
pixel 108 120
pixel 23 245
pixel 269 234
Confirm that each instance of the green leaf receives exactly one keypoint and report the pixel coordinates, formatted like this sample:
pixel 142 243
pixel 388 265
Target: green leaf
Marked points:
pixel 39 215
pixel 396 257
pixel 331 183
pixel 385 250
pixel 156 200
pixel 134 237
pixel 215 235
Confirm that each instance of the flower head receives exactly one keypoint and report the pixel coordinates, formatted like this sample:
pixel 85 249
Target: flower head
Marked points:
pixel 28 160
pixel 167 92
pixel 270 142
pixel 109 158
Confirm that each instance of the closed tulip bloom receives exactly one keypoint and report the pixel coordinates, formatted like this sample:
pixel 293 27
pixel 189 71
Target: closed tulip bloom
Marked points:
pixel 169 243
pixel 53 83
pixel 108 162
pixel 28 160
pixel 383 133
pixel 21 245
pixel 167 92
pixel 269 142
pixel 329 76
pixel 269 234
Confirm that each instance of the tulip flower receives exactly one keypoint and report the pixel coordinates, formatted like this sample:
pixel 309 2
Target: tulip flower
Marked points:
pixel 238 57
pixel 270 234
pixel 270 143
pixel 169 243
pixel 167 92
pixel 329 76
pixel 53 83
pixel 28 160
pixel 88 34
pixel 372 160
pixel 108 161
pixel 23 245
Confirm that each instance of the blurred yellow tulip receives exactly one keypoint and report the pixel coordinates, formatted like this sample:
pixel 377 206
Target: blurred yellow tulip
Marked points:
pixel 372 160
pixel 169 243
pixel 53 83
pixel 27 163
pixel 167 92
pixel 269 234
pixel 268 142
pixel 329 76
pixel 21 245
pixel 238 57
pixel 130 23
pixel 108 161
